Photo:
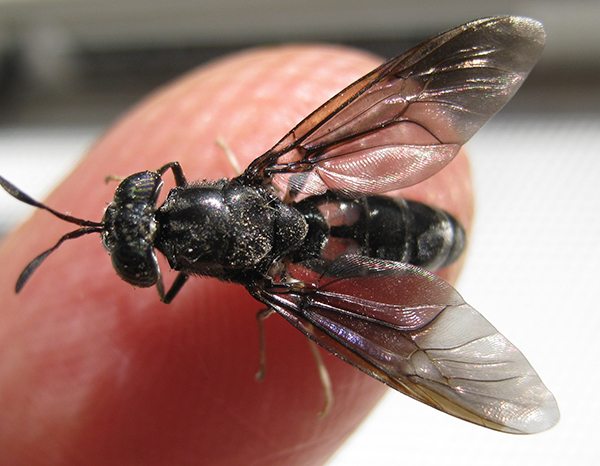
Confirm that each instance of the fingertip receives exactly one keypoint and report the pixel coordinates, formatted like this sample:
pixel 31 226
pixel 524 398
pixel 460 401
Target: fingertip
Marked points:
pixel 189 368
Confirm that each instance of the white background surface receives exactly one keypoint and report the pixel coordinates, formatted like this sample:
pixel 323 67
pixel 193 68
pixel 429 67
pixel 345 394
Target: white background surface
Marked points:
pixel 530 271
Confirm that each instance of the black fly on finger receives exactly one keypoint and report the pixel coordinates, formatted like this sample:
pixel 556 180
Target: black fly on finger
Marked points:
pixel 308 230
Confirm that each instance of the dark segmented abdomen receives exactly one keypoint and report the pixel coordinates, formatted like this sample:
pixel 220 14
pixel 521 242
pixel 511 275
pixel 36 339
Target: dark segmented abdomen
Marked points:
pixel 381 227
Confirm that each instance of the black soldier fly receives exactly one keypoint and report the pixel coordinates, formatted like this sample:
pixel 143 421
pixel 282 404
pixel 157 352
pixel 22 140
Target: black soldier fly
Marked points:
pixel 306 229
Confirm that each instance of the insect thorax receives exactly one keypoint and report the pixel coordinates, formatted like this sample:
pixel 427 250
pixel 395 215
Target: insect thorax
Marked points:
pixel 226 230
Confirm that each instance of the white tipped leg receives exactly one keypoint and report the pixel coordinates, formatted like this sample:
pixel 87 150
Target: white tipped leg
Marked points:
pixel 260 316
pixel 314 349
pixel 233 161
pixel 324 376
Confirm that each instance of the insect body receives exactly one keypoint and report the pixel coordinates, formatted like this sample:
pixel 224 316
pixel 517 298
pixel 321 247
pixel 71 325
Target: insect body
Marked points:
pixel 305 229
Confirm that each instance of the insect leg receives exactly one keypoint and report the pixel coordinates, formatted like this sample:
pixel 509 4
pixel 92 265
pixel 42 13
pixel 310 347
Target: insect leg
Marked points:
pixel 109 178
pixel 180 179
pixel 260 316
pixel 233 161
pixel 175 287
pixel 322 369
pixel 324 376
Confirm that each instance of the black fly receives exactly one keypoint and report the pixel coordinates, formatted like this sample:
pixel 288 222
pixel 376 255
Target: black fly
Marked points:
pixel 307 232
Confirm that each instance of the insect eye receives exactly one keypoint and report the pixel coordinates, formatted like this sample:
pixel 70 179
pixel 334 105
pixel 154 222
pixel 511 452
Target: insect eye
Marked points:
pixel 143 187
pixel 137 266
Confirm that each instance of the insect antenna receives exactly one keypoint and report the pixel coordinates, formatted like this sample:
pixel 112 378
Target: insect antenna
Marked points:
pixel 21 196
pixel 34 264
pixel 88 227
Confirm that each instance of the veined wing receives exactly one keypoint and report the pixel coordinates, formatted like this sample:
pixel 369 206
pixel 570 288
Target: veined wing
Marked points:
pixel 413 331
pixel 405 120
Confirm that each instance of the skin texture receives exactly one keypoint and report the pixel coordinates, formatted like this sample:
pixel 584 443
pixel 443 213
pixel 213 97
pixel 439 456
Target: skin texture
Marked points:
pixel 95 372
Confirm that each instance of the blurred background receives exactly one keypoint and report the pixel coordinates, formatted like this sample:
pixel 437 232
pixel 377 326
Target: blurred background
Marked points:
pixel 68 68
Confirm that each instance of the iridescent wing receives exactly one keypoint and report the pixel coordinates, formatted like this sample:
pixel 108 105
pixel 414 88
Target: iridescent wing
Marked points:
pixel 407 119
pixel 414 332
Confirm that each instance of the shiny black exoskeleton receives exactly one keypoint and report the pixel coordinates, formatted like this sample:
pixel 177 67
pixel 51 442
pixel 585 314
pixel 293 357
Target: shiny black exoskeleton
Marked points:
pixel 381 227
pixel 227 230
pixel 235 232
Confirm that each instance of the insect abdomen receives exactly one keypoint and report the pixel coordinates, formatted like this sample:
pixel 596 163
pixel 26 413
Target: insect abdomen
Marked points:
pixel 379 227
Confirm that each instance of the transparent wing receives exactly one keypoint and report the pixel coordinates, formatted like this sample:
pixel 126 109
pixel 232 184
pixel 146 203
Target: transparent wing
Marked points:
pixel 407 119
pixel 414 332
